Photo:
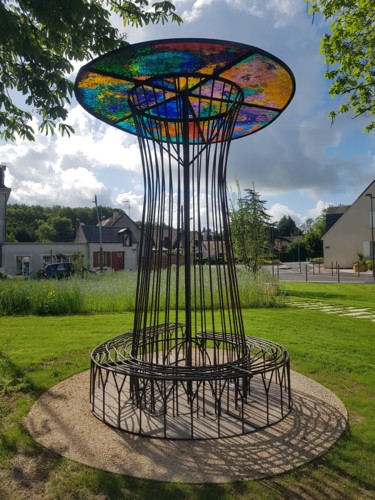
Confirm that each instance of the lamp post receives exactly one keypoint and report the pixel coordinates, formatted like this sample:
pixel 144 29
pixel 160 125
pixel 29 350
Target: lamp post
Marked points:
pixel 100 235
pixel 372 233
pixel 272 243
pixel 299 252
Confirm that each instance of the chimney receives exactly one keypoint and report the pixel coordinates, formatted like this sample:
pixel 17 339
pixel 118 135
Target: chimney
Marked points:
pixel 115 216
pixel 3 167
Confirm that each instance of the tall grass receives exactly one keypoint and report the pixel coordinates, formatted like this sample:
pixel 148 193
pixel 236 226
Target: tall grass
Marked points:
pixel 115 292
pixel 40 297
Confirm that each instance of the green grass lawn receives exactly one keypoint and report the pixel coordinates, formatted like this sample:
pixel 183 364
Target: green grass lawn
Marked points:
pixel 38 352
pixel 334 293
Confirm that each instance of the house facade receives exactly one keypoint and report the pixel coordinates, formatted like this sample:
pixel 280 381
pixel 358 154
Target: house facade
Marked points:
pixel 115 242
pixel 351 234
pixel 27 259
pixel 117 245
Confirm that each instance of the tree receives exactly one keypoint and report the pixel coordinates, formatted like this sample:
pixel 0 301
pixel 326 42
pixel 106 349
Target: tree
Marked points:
pixel 295 251
pixel 312 239
pixel 39 41
pixel 63 227
pixel 23 221
pixel 286 226
pixel 307 225
pixel 320 224
pixel 46 232
pixel 349 51
pixel 249 229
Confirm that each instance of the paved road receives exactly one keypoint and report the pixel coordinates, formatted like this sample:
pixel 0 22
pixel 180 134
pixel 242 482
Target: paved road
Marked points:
pixel 293 271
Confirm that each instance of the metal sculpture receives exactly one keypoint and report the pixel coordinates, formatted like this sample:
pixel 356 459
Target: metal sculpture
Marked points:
pixel 187 370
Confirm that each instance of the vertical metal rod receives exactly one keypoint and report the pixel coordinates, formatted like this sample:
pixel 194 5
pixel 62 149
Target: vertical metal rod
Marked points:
pixel 186 229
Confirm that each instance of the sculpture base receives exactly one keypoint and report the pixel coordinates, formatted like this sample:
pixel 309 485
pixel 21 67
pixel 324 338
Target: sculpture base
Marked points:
pixel 231 397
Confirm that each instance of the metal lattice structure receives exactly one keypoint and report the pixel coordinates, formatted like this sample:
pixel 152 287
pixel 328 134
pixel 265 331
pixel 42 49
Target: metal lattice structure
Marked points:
pixel 187 370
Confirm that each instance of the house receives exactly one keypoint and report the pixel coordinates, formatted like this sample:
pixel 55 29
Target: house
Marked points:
pixel 204 246
pixel 333 214
pixel 352 233
pixel 116 240
pixel 119 247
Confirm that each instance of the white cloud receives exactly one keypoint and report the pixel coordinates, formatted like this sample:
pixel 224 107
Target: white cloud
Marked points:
pixel 196 10
pixel 131 203
pixel 317 210
pixel 63 170
pixel 100 144
pixel 278 210
pixel 283 11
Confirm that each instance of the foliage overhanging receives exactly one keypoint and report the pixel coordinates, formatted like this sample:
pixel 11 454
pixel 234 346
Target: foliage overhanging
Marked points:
pixel 39 43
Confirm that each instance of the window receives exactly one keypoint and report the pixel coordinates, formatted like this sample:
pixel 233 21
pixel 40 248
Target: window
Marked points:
pixel 107 259
pixel 23 265
pixel 127 237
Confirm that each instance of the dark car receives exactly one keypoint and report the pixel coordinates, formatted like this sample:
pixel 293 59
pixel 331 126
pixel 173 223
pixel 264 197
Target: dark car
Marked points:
pixel 58 271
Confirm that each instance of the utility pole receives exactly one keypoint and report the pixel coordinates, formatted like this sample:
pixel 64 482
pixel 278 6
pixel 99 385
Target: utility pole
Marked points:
pixel 100 235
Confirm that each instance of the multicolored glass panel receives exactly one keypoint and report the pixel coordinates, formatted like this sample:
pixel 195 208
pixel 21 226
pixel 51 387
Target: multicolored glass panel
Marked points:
pixel 162 74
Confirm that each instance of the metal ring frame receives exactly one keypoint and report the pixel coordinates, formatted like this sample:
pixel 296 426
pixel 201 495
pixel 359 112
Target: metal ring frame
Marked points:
pixel 187 370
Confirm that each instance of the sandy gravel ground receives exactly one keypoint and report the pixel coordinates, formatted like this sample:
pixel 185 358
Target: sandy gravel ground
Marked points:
pixel 62 422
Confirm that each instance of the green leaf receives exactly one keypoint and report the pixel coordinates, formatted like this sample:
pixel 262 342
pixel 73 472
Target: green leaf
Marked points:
pixel 38 45
pixel 349 50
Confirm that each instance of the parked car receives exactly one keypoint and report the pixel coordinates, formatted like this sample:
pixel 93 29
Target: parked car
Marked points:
pixel 58 271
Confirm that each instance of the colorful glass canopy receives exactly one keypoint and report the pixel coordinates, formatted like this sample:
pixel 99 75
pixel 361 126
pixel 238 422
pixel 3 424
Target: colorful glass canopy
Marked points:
pixel 162 74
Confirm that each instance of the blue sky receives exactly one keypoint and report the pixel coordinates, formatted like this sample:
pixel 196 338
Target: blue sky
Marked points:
pixel 299 164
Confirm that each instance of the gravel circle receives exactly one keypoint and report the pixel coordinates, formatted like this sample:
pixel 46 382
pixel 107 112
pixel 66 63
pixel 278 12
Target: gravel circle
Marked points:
pixel 61 421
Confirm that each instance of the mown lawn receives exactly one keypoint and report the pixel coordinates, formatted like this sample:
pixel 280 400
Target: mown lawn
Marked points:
pixel 38 352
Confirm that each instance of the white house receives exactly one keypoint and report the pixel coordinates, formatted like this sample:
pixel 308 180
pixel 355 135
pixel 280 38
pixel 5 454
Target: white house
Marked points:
pixel 117 239
pixel 352 233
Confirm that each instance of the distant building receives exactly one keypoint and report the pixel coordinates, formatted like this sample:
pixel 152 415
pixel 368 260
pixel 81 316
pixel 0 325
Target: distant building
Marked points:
pixel 117 239
pixel 333 214
pixel 350 233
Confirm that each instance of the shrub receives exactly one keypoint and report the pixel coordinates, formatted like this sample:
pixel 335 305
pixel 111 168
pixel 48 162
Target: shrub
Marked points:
pixel 368 263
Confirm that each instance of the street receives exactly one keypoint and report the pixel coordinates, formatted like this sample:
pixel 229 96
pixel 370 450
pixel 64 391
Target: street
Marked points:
pixel 307 271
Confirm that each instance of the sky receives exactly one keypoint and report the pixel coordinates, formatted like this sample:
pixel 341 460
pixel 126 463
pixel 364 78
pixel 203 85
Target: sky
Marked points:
pixel 299 165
